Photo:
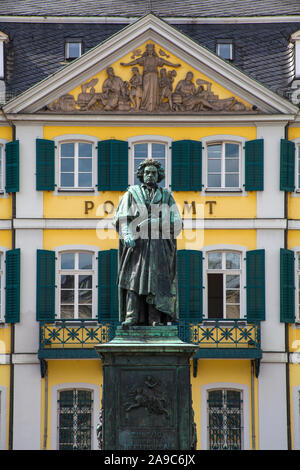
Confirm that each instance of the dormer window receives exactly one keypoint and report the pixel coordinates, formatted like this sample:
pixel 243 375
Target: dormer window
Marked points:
pixel 296 39
pixel 3 39
pixel 224 49
pixel 73 49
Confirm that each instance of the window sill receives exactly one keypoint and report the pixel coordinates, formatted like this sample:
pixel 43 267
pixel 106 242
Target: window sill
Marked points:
pixel 224 321
pixel 221 190
pixel 76 321
pixel 76 190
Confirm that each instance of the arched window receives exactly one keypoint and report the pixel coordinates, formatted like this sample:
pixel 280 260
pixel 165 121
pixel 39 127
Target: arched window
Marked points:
pixel 225 419
pixel 75 419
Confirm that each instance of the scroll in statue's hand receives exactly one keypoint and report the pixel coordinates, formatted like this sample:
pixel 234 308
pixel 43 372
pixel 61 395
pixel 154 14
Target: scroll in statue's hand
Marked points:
pixel 129 242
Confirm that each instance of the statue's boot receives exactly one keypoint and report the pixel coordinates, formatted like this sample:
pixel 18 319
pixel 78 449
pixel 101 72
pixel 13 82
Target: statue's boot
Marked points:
pixel 132 309
pixel 154 316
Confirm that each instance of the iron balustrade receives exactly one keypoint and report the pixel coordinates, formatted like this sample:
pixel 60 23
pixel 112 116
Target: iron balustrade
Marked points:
pixel 221 333
pixel 210 334
pixel 75 333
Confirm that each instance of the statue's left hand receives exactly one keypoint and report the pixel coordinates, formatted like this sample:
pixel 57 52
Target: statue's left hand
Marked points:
pixel 129 242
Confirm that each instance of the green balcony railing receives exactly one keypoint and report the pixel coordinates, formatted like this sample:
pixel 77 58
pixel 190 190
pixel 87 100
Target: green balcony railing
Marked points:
pixel 73 338
pixel 228 337
pixel 214 338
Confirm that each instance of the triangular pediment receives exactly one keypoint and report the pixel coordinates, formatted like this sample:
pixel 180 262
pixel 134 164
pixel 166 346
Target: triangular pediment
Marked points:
pixel 149 67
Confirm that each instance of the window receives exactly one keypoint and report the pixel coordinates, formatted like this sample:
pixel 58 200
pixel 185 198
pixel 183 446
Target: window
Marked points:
pixel 298 166
pixel 3 417
pixel 225 423
pixel 1 168
pixel 225 49
pixel 75 419
pixel 223 284
pixel 223 165
pixel 72 49
pixel 1 287
pixel 76 285
pixel 76 165
pixel 140 150
pixel 295 38
pixel 298 286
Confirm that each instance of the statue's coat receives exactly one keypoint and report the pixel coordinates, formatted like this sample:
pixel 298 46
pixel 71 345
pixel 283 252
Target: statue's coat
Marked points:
pixel 149 268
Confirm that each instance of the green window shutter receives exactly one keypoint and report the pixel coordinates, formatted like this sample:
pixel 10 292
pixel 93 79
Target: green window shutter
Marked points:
pixel 12 166
pixel 112 165
pixel 45 295
pixel 287 286
pixel 108 307
pixel 255 271
pixel 254 165
pixel 45 165
pixel 186 165
pixel 287 165
pixel 190 286
pixel 12 287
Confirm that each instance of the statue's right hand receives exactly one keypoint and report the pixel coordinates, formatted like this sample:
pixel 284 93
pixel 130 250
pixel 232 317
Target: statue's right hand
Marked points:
pixel 129 242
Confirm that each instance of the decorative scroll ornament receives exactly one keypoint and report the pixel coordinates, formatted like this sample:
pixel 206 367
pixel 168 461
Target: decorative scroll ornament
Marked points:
pixel 151 91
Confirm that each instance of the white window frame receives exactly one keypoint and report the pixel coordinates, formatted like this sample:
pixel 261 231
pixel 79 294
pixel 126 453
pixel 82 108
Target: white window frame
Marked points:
pixel 222 139
pixel 245 438
pixel 222 42
pixel 3 416
pixel 3 38
pixel 297 164
pixel 2 274
pixel 296 416
pixel 2 181
pixel 77 249
pixel 2 290
pixel 295 38
pixel 2 177
pixel 225 248
pixel 67 52
pixel 150 139
pixel 297 290
pixel 56 389
pixel 296 251
pixel 75 138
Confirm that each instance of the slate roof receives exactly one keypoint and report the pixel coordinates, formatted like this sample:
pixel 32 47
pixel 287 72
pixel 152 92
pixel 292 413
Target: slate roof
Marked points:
pixel 163 8
pixel 36 50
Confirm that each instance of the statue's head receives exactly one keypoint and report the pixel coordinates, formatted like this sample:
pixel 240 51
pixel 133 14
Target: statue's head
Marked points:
pixel 150 169
pixel 110 72
pixel 189 76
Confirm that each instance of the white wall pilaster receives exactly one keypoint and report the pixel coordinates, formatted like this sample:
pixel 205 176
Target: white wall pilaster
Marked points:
pixel 29 201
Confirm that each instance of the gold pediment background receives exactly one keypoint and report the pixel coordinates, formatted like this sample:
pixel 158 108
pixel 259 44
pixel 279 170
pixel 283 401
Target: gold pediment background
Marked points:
pixel 150 80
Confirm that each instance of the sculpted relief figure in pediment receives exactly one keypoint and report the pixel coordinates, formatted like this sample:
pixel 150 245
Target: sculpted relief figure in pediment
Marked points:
pixel 152 91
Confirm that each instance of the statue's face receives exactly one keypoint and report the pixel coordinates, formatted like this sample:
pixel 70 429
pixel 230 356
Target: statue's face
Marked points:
pixel 150 49
pixel 150 175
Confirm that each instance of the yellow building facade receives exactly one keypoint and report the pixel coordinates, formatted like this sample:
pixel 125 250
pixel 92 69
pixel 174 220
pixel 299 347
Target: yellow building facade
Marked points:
pixel 234 213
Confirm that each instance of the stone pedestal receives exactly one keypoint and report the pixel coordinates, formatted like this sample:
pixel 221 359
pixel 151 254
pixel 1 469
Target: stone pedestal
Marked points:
pixel 146 403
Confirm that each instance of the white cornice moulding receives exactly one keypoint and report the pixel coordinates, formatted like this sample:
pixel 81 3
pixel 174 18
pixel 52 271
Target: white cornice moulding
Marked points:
pixel 151 119
pixel 154 29
pixel 170 19
pixel 199 224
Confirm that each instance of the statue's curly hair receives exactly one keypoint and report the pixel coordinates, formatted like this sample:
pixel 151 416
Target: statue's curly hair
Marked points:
pixel 150 162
